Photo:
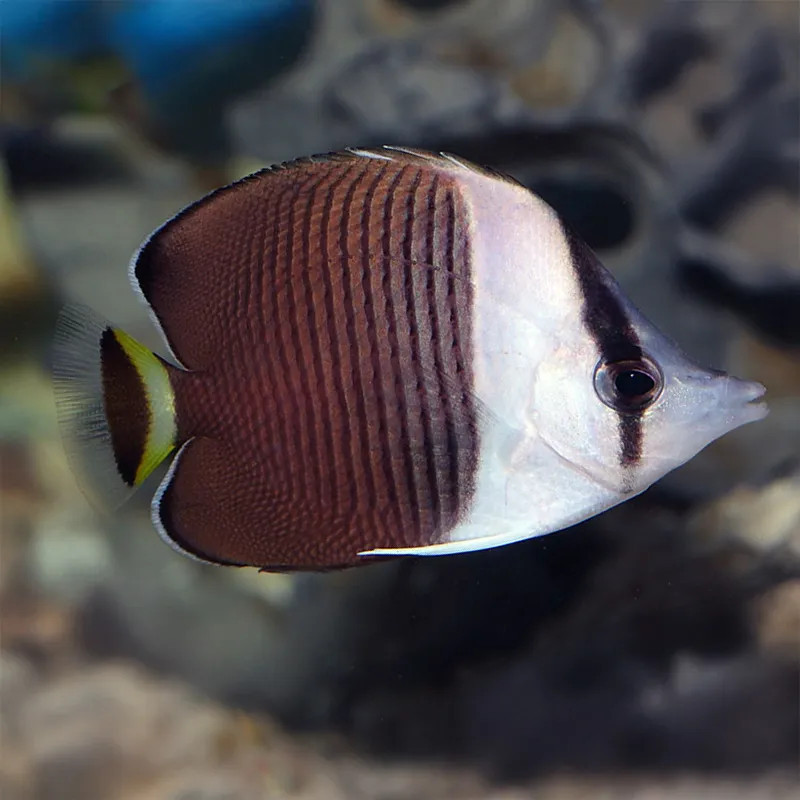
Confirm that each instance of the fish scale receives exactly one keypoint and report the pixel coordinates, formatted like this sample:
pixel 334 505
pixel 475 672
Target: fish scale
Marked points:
pixel 404 490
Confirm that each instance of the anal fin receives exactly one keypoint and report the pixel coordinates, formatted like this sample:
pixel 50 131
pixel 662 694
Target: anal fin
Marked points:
pixel 192 508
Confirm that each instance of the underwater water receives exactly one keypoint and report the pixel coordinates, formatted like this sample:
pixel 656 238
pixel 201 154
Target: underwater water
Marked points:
pixel 653 651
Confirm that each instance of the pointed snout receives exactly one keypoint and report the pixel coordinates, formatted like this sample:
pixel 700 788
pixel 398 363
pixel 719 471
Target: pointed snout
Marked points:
pixel 740 399
pixel 714 403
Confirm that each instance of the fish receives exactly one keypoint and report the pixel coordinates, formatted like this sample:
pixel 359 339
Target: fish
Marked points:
pixel 375 353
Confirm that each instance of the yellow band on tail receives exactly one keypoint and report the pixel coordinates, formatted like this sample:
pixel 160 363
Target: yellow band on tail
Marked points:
pixel 161 432
pixel 115 403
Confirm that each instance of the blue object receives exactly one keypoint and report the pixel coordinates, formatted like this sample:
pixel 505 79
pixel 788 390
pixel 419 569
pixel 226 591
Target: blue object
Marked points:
pixel 189 57
pixel 35 34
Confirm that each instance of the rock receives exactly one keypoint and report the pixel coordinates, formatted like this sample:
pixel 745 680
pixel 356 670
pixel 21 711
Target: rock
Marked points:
pixel 203 783
pixel 278 642
pixel 42 631
pixel 765 519
pixel 50 534
pixel 687 787
pixel 92 732
pixel 737 713
pixel 777 619
pixel 488 33
pixel 24 294
pixel 115 733
pixel 70 556
pixel 775 367
pixel 400 93
pixel 18 680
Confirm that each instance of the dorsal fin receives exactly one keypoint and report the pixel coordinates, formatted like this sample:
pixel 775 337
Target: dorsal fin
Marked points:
pixel 441 160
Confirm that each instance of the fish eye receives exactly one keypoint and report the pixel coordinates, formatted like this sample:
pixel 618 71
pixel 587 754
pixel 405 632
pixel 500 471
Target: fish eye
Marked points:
pixel 628 386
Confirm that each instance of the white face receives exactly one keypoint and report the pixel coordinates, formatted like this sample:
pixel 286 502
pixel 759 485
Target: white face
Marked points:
pixel 695 407
pixel 627 423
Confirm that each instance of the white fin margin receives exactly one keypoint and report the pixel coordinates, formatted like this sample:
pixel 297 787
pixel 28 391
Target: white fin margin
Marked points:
pixel 155 509
pixel 78 388
pixel 374 154
pixel 389 152
pixel 517 534
pixel 134 281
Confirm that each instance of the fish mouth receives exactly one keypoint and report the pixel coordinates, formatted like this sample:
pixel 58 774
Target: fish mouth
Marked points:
pixel 744 400
pixel 753 390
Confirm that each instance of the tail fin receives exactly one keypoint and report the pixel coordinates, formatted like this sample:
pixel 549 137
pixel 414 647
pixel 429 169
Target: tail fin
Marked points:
pixel 115 405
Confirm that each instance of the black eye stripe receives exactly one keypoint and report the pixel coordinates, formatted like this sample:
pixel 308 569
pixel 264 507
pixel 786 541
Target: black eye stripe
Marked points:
pixel 612 331
pixel 603 313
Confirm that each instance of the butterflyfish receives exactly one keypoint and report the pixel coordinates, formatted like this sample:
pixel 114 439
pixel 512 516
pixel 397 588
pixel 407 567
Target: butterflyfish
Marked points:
pixel 377 353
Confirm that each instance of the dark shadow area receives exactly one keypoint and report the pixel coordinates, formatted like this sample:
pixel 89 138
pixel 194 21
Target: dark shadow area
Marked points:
pixel 40 160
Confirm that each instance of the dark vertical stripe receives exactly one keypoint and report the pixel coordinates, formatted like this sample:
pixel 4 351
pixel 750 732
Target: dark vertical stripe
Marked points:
pixel 272 322
pixel 464 299
pixel 248 240
pixel 301 326
pixel 631 438
pixel 432 391
pixel 354 373
pixel 371 332
pixel 307 432
pixel 125 401
pixel 461 297
pixel 339 459
pixel 413 332
pixel 613 333
pixel 394 361
pixel 393 337
pixel 451 342
pixel 316 394
pixel 262 263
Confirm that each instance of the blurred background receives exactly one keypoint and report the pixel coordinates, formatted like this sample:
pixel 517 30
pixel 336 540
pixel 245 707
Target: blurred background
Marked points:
pixel 653 652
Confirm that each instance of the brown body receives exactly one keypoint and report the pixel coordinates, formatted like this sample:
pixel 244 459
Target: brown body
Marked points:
pixel 323 314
